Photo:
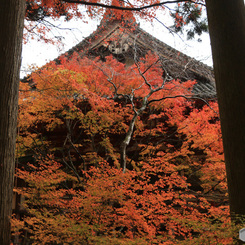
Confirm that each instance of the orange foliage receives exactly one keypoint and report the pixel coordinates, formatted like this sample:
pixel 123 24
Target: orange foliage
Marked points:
pixel 73 122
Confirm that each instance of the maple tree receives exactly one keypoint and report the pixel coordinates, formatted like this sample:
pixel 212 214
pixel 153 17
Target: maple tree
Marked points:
pixel 74 122
pixel 189 12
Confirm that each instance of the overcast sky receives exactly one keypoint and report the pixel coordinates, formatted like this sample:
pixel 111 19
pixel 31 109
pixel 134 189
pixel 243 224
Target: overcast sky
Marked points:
pixel 38 53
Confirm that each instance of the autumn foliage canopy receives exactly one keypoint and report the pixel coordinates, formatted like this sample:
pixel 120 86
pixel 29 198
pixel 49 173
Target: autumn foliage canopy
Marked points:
pixel 74 116
pixel 116 154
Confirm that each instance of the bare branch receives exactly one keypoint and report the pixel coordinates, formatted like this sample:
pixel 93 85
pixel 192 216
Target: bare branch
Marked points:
pixel 171 97
pixel 130 8
pixel 149 67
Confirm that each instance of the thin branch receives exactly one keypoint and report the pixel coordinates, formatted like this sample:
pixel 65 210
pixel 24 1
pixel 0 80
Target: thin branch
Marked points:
pixel 130 8
pixel 213 187
pixel 149 67
pixel 71 166
pixel 77 151
pixel 172 97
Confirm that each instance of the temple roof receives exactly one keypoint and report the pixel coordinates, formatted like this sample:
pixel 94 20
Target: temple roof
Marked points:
pixel 122 37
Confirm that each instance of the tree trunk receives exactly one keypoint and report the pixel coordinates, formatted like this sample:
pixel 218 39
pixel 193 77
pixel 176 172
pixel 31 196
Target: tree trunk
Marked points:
pixel 226 20
pixel 11 31
pixel 130 131
pixel 126 142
